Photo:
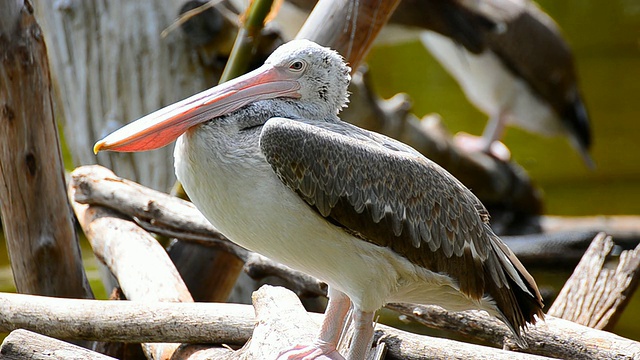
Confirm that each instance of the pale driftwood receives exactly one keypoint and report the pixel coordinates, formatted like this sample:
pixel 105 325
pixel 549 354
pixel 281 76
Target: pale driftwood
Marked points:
pixel 142 267
pixel 233 323
pixel 554 337
pixel 111 67
pixel 596 295
pixel 127 321
pixel 23 344
pixel 36 216
pixel 173 217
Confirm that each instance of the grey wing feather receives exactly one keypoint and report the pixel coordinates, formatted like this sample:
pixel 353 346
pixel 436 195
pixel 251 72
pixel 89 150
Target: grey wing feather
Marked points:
pixel 378 188
pixel 384 192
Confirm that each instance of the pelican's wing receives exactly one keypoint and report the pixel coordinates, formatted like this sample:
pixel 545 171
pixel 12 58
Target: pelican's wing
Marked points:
pixel 386 193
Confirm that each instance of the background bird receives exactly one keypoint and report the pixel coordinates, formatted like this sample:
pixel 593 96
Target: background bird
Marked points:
pixel 512 63
pixel 269 163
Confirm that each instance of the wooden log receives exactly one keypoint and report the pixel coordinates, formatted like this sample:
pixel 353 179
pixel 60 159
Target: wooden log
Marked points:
pixel 596 294
pixel 36 216
pixel 23 344
pixel 553 338
pixel 111 67
pixel 127 321
pixel 141 265
pixel 624 228
pixel 135 321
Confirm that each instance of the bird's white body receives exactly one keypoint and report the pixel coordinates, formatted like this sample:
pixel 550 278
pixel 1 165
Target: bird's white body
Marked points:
pixel 491 87
pixel 237 190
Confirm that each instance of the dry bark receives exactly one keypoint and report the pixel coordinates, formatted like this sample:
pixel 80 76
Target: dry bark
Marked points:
pixel 554 337
pixel 36 216
pixel 281 317
pixel 23 344
pixel 112 66
pixel 597 294
pixel 139 263
pixel 127 321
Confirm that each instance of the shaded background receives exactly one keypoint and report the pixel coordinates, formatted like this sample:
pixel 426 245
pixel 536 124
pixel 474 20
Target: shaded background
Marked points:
pixel 605 37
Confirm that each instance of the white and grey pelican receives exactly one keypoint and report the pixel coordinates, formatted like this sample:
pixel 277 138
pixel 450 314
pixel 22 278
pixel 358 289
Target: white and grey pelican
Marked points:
pixel 267 160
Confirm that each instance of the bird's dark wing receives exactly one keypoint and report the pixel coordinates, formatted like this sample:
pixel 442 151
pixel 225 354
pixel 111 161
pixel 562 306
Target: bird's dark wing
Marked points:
pixel 384 192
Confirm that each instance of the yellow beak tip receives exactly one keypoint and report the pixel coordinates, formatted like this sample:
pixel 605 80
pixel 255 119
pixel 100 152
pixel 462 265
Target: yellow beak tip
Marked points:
pixel 97 147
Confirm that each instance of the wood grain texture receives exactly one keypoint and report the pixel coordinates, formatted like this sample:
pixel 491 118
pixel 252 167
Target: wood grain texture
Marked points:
pixel 23 344
pixel 598 291
pixel 36 216
pixel 139 263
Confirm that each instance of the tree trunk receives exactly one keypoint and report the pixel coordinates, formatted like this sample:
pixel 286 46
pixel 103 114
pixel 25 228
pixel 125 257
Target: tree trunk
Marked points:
pixel 37 219
pixel 111 67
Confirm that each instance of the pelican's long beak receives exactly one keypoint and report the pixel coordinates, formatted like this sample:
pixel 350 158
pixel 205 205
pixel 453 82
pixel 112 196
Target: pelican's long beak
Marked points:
pixel 165 125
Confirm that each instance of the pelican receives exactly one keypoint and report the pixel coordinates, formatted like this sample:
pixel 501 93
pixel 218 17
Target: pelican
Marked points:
pixel 512 63
pixel 267 160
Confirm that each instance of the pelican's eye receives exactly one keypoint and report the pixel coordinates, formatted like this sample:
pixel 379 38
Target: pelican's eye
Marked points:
pixel 297 65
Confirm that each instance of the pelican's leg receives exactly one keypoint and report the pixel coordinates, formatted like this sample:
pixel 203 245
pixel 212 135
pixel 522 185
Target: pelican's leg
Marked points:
pixel 325 345
pixel 362 335
pixel 490 141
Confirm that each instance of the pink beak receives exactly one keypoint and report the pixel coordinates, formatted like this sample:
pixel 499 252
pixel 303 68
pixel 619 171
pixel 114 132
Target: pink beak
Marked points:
pixel 162 127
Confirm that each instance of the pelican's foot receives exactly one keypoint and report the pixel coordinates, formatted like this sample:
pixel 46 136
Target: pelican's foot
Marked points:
pixel 311 352
pixel 470 143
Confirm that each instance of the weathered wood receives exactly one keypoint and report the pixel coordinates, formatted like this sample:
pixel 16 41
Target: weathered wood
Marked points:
pixel 554 337
pixel 596 294
pixel 135 321
pixel 23 344
pixel 348 27
pixel 111 67
pixel 127 321
pixel 141 265
pixel 36 216
pixel 173 217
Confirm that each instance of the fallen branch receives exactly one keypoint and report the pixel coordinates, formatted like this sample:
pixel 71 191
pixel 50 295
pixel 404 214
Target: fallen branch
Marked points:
pixel 127 321
pixel 119 244
pixel 23 344
pixel 596 295
pixel 217 323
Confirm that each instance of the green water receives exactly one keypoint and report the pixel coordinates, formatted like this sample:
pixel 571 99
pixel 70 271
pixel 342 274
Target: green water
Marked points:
pixel 605 37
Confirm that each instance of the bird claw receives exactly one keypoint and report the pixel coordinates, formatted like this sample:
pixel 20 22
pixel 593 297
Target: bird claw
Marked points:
pixel 310 352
